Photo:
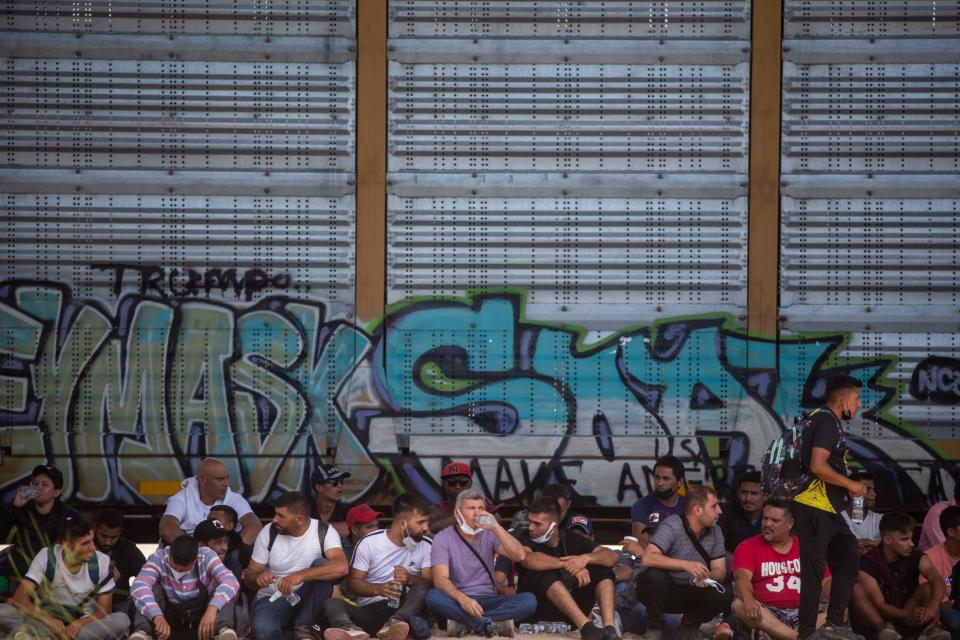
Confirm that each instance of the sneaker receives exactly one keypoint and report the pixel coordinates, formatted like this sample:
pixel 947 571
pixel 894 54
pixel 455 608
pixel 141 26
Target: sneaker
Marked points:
pixel 300 633
pixel 136 635
pixel 227 634
pixel 722 631
pixel 830 632
pixel 935 632
pixel 609 632
pixel 420 628
pixel 346 633
pixel 889 632
pixel 394 629
pixel 505 628
pixel 455 629
pixel 490 628
pixel 590 631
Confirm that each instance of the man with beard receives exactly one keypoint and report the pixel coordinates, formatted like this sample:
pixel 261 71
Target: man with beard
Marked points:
pixel 568 572
pixel 741 520
pixel 665 501
pixel 766 571
pixel 296 553
pixel 389 575
pixel 66 591
pixel 327 483
pixel 126 559
pixel 822 532
pixel 191 505
pixel 29 524
pixel 686 566
pixel 889 600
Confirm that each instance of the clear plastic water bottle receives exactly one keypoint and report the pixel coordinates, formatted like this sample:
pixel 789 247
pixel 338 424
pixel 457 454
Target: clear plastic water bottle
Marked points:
pixel 394 602
pixel 857 513
pixel 525 627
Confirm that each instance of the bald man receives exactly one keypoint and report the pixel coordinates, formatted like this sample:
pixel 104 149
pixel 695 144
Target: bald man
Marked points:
pixel 190 506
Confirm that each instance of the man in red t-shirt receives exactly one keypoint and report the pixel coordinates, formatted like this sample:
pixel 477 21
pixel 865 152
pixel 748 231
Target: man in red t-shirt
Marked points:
pixel 766 573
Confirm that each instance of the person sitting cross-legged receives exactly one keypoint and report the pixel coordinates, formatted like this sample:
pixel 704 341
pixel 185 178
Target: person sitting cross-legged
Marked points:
pixel 766 571
pixel 66 592
pixel 390 575
pixel 685 552
pixel 569 572
pixel 184 591
pixel 465 591
pixel 295 562
pixel 889 602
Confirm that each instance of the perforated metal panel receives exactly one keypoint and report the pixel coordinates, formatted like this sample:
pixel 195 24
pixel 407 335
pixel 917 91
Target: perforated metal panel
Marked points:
pixel 182 137
pixel 591 153
pixel 871 195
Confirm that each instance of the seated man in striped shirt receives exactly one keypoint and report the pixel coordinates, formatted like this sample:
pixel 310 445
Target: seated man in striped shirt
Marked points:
pixel 184 591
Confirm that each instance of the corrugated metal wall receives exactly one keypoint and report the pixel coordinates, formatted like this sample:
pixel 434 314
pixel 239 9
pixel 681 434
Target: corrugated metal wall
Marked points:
pixel 871 193
pixel 594 153
pixel 180 135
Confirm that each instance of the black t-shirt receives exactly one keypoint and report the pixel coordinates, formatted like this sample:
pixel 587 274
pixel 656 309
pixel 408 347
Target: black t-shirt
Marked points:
pixel 825 432
pixel 339 513
pixel 30 531
pixel 904 571
pixel 736 526
pixel 128 560
pixel 571 544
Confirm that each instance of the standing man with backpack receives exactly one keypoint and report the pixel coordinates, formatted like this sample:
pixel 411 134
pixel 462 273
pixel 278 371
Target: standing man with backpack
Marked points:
pixel 821 530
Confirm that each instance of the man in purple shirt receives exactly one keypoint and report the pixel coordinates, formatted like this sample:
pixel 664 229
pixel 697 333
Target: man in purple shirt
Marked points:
pixel 465 590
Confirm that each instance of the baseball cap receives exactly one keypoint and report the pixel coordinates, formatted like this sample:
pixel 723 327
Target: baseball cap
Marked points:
pixel 51 472
pixel 361 514
pixel 455 469
pixel 581 522
pixel 326 473
pixel 209 530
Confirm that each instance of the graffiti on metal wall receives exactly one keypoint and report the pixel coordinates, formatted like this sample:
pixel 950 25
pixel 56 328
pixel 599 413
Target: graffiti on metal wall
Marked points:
pixel 143 388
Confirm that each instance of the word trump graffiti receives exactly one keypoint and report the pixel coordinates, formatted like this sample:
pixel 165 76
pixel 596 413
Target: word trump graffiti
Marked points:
pixel 143 389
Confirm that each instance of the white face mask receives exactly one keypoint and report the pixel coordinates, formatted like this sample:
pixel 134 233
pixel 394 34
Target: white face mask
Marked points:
pixel 467 529
pixel 409 541
pixel 546 535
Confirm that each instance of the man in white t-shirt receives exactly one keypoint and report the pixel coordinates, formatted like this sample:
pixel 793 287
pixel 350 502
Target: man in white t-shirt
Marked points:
pixel 867 532
pixel 390 575
pixel 67 591
pixel 190 506
pixel 295 562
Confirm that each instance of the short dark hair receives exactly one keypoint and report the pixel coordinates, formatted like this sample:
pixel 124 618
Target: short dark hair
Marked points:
pixel 838 385
pixel 778 503
pixel 184 550
pixel 557 491
pixel 697 496
pixel 294 502
pixel 110 518
pixel 752 476
pixel 897 522
pixel 70 528
pixel 229 511
pixel 949 519
pixel 548 506
pixel 860 475
pixel 673 463
pixel 410 503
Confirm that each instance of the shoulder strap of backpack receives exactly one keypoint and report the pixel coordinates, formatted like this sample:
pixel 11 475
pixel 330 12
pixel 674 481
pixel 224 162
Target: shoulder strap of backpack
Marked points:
pixel 93 568
pixel 51 569
pixel 322 528
pixel 273 537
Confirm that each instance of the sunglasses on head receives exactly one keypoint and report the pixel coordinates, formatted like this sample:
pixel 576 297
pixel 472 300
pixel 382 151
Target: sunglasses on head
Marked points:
pixel 457 482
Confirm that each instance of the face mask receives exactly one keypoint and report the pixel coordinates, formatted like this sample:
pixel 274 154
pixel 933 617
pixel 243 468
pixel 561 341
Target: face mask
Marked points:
pixel 409 541
pixel 547 534
pixel 470 531
pixel 665 495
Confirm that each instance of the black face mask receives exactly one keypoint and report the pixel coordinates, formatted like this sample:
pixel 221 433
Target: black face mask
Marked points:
pixel 846 415
pixel 665 495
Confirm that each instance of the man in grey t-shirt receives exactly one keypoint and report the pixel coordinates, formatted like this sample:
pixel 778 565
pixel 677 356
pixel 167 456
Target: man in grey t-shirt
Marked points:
pixel 684 576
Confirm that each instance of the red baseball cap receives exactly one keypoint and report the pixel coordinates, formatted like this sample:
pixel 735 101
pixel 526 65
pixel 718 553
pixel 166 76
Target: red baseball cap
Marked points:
pixel 361 514
pixel 456 469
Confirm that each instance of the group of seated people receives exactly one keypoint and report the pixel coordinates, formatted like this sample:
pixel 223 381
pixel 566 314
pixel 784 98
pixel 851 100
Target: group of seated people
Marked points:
pixel 690 567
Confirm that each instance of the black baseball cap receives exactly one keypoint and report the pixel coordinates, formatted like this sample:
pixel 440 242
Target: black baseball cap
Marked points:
pixel 53 473
pixel 210 530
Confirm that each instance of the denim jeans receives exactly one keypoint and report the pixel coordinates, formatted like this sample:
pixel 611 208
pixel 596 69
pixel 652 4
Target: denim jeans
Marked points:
pixel 950 619
pixel 272 620
pixel 495 608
